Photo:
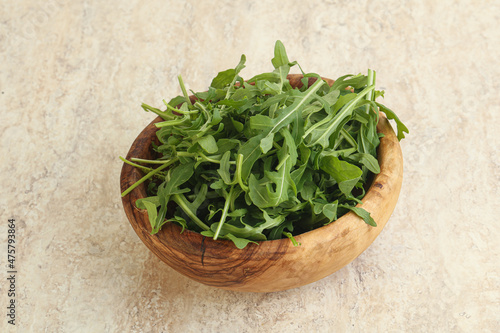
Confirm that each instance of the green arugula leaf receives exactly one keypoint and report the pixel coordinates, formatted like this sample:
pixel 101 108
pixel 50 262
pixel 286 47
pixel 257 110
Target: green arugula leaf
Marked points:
pixel 322 135
pixel 240 243
pixel 223 79
pixel 361 212
pixel 178 176
pixel 251 153
pixel 260 122
pixel 152 212
pixel 280 56
pixel 224 168
pixel 291 148
pixel 228 76
pixel 292 239
pixel 285 115
pixel 259 192
pixel 283 181
pixel 208 144
pixel 181 221
pixel 402 129
pixel 344 173
pixel 153 199
pixel 367 160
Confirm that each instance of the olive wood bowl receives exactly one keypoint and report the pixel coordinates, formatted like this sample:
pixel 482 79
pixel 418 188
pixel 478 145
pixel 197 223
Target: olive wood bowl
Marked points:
pixel 276 264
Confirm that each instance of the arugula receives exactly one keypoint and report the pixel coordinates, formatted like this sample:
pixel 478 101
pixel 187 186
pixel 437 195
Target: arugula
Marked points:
pixel 257 160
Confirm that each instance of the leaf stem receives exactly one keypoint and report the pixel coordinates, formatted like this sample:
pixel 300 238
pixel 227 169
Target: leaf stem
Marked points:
pixel 162 114
pixel 172 122
pixel 371 82
pixel 348 138
pixel 224 213
pixel 202 156
pixel 278 167
pixel 140 160
pixel 179 199
pixel 184 91
pixel 143 168
pixel 171 108
pixel 208 159
pixel 237 175
pixel 143 179
pixel 290 236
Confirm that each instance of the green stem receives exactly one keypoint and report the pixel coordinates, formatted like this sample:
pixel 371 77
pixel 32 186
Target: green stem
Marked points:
pixel 143 168
pixel 202 108
pixel 237 175
pixel 224 213
pixel 348 138
pixel 162 114
pixel 290 236
pixel 371 82
pixel 179 199
pixel 229 91
pixel 269 153
pixel 185 154
pixel 171 108
pixel 202 156
pixel 143 179
pixel 140 160
pixel 208 159
pixel 282 162
pixel 184 91
pixel 171 122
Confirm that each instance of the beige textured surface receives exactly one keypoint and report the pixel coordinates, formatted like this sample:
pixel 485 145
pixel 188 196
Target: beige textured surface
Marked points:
pixel 73 75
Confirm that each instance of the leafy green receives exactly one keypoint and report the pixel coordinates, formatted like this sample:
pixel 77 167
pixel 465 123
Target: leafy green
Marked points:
pixel 258 160
pixel 240 243
pixel 345 174
pixel 402 129
pixel 361 212
pixel 208 144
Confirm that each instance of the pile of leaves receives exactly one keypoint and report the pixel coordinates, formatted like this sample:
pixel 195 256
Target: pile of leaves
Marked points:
pixel 255 160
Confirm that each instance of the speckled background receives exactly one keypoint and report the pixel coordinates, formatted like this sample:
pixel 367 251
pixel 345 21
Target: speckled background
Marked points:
pixel 73 75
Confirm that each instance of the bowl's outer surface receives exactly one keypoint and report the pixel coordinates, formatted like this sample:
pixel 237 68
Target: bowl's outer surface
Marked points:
pixel 271 265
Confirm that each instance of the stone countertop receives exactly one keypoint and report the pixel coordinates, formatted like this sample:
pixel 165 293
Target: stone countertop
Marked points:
pixel 73 75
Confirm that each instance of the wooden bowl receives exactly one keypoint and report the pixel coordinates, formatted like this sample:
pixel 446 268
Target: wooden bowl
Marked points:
pixel 272 265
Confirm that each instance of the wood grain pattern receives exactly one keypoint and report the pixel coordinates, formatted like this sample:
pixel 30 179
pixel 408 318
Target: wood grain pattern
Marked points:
pixel 271 265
